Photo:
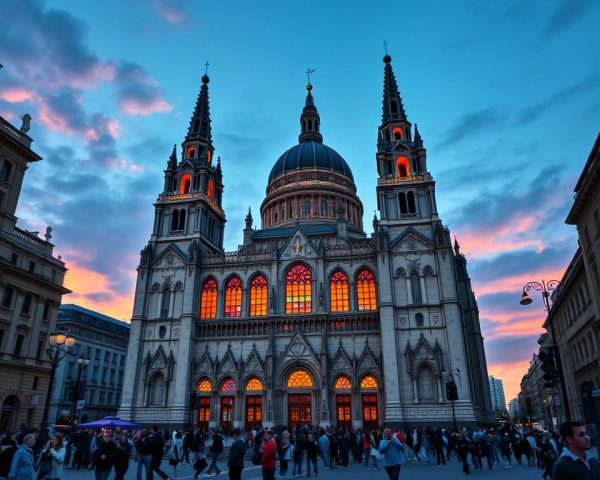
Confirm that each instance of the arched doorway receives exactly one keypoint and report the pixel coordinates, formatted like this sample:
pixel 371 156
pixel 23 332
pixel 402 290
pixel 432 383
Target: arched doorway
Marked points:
pixel 299 401
pixel 368 387
pixel 228 390
pixel 10 410
pixel 343 401
pixel 254 390
pixel 204 392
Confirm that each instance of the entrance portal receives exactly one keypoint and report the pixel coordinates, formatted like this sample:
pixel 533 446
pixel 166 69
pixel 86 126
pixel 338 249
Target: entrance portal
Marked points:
pixel 299 409
pixel 253 411
pixel 226 413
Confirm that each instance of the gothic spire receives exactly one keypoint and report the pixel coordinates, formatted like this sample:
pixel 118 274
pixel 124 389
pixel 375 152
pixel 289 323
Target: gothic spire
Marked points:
pixel 199 128
pixel 172 164
pixel 418 139
pixel 393 109
pixel 249 219
pixel 309 120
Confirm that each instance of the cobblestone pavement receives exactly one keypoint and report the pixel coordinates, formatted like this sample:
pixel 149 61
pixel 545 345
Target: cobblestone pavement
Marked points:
pixel 354 472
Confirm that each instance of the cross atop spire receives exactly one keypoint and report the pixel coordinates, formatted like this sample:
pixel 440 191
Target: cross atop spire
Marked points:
pixel 308 72
pixel 385 44
pixel 206 65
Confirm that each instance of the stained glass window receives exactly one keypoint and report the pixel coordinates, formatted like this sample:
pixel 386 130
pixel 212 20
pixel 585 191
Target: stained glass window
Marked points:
pixel 368 381
pixel 343 383
pixel 228 386
pixel 298 290
pixel 208 302
pixel 254 384
pixel 338 289
pixel 258 296
pixel 365 290
pixel 233 298
pixel 299 379
pixel 205 385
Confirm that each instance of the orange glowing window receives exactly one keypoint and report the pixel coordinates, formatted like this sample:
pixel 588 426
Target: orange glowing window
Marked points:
pixel 402 167
pixel 204 386
pixel 228 386
pixel 398 134
pixel 299 379
pixel 365 290
pixel 233 298
pixel 210 190
pixel 185 184
pixel 254 385
pixel 209 156
pixel 298 290
pixel 343 383
pixel 191 152
pixel 368 382
pixel 258 296
pixel 208 301
pixel 338 289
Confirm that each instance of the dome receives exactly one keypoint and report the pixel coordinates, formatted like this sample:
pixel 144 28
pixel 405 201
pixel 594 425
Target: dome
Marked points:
pixel 310 155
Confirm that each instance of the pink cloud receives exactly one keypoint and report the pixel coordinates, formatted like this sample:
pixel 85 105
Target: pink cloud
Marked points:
pixel 16 95
pixel 171 11
pixel 133 106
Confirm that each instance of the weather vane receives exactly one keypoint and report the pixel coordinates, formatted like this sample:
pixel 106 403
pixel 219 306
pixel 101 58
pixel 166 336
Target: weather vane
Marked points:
pixel 308 72
pixel 206 68
pixel 385 44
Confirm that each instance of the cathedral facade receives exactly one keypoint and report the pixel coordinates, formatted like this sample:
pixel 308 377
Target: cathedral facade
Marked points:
pixel 312 320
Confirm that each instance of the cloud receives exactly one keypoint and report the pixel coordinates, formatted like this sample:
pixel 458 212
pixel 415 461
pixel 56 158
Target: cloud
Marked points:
pixel 473 123
pixel 173 11
pixel 567 14
pixel 137 92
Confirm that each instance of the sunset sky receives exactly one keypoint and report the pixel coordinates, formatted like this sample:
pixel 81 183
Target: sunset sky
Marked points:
pixel 506 96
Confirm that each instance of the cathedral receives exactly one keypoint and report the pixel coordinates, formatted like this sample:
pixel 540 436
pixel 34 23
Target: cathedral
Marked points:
pixel 313 320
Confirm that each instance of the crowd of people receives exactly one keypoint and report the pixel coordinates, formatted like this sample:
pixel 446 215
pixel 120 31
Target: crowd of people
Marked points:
pixel 293 453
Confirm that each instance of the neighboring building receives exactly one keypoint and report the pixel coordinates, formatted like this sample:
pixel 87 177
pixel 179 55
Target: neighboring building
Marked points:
pixel 103 341
pixel 31 283
pixel 311 321
pixel 534 407
pixel 497 394
pixel 513 409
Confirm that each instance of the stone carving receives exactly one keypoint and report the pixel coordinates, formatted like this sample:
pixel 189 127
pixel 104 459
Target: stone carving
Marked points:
pixel 26 123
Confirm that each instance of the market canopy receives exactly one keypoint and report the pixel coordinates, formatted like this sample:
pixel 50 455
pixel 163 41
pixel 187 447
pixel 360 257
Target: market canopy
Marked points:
pixel 109 422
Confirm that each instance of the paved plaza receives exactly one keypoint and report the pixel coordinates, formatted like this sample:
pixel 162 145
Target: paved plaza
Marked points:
pixel 353 472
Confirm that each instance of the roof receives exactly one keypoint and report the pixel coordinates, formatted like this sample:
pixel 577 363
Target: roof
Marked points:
pixel 91 313
pixel 586 186
pixel 287 231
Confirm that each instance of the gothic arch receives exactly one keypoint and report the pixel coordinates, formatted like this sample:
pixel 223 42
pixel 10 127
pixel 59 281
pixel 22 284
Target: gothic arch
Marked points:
pixel 157 387
pixel 428 271
pixel 285 370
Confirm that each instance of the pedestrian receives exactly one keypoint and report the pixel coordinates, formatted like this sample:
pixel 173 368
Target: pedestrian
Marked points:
pixel 157 442
pixel 215 451
pixel 285 454
pixel 548 456
pixel 324 447
pixel 374 449
pixel 576 462
pixel 22 463
pixel 299 448
pixel 8 447
pixel 122 460
pixel 198 443
pixel 269 452
pixel 464 445
pixel 235 463
pixel 176 451
pixel 333 450
pixel 505 451
pixel 344 448
pixel 105 455
pixel 56 451
pixel 187 446
pixel 312 455
pixel 393 454
pixel 143 450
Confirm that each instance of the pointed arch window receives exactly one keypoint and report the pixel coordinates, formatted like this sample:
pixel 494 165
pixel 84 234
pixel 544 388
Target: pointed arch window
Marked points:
pixel 402 167
pixel 398 134
pixel 185 184
pixel 205 386
pixel 228 385
pixel 254 385
pixel 415 285
pixel 258 296
pixel 208 301
pixel 368 382
pixel 166 303
pixel 426 384
pixel 157 390
pixel 299 379
pixel 410 200
pixel 191 152
pixel 233 298
pixel 343 383
pixel 298 290
pixel 338 291
pixel 365 290
pixel 210 189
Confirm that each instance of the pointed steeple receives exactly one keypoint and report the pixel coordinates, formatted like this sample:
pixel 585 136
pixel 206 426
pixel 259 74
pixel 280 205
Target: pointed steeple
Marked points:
pixel 456 247
pixel 310 122
pixel 418 139
pixel 172 163
pixel 249 219
pixel 198 141
pixel 393 109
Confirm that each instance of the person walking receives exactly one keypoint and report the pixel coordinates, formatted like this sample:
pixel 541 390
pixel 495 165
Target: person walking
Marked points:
pixel 8 448
pixel 269 452
pixel 576 462
pixel 374 449
pixel 21 467
pixel 122 460
pixel 105 455
pixel 57 452
pixel 157 448
pixel 143 449
pixel 215 451
pixel 237 451
pixel 324 447
pixel 312 455
pixel 393 454
pixel 548 456
pixel 505 451
pixel 299 448
pixel 176 451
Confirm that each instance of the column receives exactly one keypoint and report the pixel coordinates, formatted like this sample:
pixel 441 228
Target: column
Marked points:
pixel 440 394
pixel 415 390
pixel 423 290
pixel 159 306
pixel 409 291
pixel 171 303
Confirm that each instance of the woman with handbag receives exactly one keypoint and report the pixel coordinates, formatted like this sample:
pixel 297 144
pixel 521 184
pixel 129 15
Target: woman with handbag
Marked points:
pixel 176 451
pixel 57 452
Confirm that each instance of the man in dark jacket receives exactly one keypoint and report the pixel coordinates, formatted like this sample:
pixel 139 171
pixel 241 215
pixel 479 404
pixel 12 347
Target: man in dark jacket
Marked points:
pixel 105 456
pixel 122 460
pixel 576 461
pixel 215 450
pixel 236 456
pixel 157 448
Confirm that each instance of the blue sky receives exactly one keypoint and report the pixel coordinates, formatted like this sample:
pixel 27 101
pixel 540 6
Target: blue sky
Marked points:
pixel 506 95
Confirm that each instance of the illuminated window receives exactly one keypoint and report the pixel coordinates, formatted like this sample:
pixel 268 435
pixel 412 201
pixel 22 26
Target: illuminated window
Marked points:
pixel 208 302
pixel 233 298
pixel 338 289
pixel 299 379
pixel 343 383
pixel 228 386
pixel 365 290
pixel 254 385
pixel 205 385
pixel 369 407
pixel 368 382
pixel 191 152
pixel 298 290
pixel 210 189
pixel 402 167
pixel 258 296
pixel 185 183
pixel 398 133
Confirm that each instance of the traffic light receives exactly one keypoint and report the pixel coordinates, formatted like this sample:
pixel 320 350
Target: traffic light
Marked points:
pixel 546 356
pixel 451 391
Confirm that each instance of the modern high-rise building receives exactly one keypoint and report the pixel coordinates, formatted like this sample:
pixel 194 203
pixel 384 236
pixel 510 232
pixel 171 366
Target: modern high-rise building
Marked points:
pixel 311 320
pixel 497 393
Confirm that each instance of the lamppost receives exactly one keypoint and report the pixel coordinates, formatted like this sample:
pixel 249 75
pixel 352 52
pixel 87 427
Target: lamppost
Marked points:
pixel 82 363
pixel 452 392
pixel 545 289
pixel 59 344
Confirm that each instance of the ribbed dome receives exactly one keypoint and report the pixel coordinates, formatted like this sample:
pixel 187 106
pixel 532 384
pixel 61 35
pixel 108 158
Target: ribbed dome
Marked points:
pixel 310 155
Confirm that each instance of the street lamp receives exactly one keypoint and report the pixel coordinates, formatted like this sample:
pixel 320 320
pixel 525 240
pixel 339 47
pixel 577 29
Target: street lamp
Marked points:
pixel 545 289
pixel 452 392
pixel 59 344
pixel 82 363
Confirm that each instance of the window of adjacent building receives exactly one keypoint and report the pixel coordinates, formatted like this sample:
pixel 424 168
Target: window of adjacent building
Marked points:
pixel 343 383
pixel 31 266
pixel 208 300
pixel 122 360
pixel 5 171
pixel 112 376
pixel 258 296
pixel 97 354
pixel 18 344
pixel 254 385
pixel 1 338
pixel 46 312
pixel 298 290
pixel 338 291
pixel 120 377
pixel 92 397
pixel 14 259
pixel 118 400
pixel 7 297
pixel 365 290
pixel 204 385
pixel 95 375
pixel 104 375
pixel 233 298
pixel 106 357
pixel 102 397
pixel 40 349
pixel 26 307
pixel 110 398
pixel 228 385
pixel 34 383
